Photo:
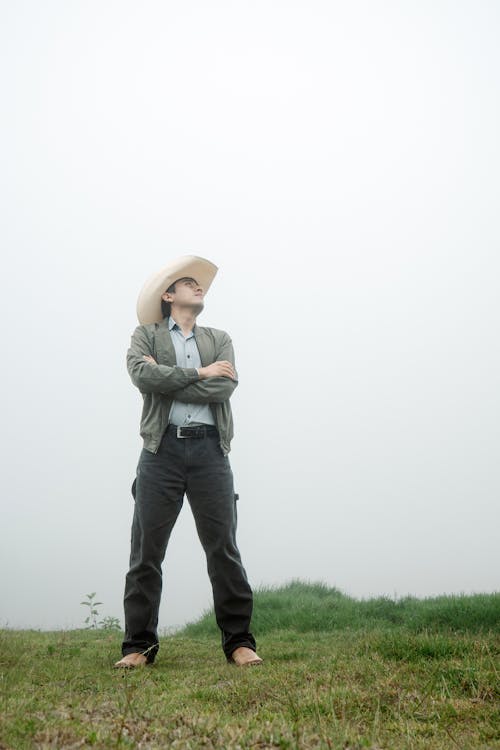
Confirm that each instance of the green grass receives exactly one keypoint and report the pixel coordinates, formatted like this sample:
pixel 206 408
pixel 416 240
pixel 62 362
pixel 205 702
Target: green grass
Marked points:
pixel 385 685
pixel 314 607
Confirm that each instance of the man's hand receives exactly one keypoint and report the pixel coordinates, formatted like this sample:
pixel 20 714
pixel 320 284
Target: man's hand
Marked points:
pixel 220 369
pixel 148 358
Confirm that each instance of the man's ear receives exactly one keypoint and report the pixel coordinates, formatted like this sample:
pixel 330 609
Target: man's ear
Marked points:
pixel 167 297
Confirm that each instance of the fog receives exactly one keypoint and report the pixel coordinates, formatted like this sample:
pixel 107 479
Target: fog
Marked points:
pixel 339 162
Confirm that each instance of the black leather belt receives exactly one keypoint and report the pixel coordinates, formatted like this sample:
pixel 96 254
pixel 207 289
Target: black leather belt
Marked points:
pixel 192 431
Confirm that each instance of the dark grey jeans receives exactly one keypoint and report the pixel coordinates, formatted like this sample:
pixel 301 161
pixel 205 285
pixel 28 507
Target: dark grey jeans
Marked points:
pixel 197 468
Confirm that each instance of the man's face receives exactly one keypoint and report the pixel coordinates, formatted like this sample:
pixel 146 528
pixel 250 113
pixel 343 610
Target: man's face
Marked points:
pixel 188 293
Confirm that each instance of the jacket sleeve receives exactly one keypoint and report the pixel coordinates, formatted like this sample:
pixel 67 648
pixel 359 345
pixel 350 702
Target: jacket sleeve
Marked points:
pixel 211 390
pixel 155 378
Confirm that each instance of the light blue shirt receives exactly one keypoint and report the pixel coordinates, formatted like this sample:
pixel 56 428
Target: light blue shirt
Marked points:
pixel 187 355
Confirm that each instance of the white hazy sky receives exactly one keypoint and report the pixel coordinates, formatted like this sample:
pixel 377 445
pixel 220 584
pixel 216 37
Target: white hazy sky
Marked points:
pixel 340 163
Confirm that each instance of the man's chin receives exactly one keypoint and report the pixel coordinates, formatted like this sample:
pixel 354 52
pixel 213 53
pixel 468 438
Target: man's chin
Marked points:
pixel 197 307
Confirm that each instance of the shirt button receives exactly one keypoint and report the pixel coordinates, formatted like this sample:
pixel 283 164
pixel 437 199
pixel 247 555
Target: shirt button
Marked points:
pixel 189 356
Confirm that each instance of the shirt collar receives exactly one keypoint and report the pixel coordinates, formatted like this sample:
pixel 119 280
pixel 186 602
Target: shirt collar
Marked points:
pixel 172 324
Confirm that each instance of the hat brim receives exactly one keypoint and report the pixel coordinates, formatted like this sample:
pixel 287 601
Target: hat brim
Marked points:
pixel 149 301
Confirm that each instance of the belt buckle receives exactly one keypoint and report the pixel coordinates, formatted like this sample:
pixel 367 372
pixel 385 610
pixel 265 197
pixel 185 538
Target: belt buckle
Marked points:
pixel 179 432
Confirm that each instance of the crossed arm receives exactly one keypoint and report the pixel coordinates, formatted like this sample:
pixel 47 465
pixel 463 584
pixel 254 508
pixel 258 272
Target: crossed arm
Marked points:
pixel 217 383
pixel 212 384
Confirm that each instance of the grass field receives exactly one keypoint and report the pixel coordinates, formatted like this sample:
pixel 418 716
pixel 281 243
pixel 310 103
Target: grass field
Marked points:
pixel 380 681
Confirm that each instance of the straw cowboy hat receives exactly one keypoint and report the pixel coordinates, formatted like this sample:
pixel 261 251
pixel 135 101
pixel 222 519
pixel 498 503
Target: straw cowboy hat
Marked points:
pixel 149 302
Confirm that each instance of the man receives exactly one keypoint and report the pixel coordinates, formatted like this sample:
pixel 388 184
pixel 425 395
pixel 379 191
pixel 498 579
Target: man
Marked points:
pixel 186 375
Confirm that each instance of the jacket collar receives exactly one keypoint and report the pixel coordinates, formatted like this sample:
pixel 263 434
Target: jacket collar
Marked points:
pixel 164 346
pixel 205 346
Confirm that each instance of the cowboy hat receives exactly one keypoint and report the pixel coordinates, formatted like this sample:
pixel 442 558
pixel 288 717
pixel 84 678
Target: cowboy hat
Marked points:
pixel 149 302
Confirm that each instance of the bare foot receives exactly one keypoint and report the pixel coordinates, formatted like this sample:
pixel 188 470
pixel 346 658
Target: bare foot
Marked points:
pixel 245 657
pixel 131 660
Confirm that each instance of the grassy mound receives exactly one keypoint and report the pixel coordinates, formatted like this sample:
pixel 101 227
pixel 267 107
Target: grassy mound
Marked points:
pixel 314 607
pixel 338 673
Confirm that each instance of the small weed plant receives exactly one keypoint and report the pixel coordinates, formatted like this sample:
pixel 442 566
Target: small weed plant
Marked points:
pixel 92 621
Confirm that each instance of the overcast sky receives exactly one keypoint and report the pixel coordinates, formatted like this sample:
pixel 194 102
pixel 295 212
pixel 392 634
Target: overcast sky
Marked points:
pixel 340 163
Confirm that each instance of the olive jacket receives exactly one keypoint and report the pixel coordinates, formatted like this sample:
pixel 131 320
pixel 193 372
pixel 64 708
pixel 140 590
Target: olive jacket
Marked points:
pixel 163 382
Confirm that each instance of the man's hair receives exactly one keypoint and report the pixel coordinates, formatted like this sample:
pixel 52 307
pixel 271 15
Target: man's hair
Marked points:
pixel 167 306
